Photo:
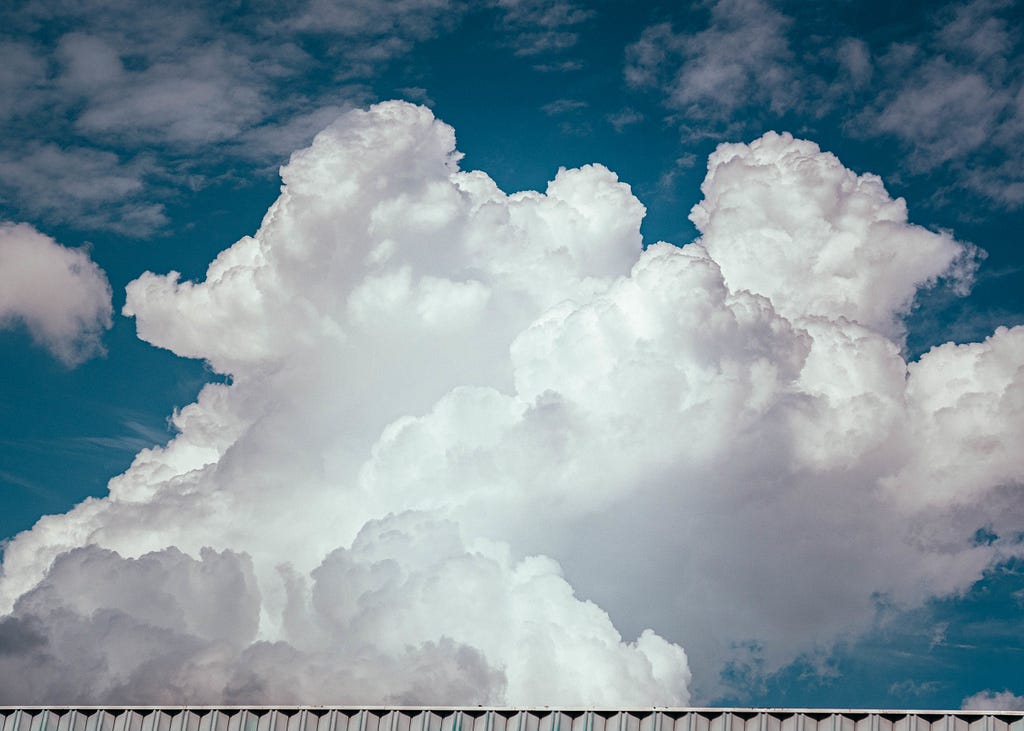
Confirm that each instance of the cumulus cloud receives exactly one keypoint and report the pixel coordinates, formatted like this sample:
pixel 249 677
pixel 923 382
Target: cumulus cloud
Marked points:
pixel 988 700
pixel 403 603
pixel 840 246
pixel 59 294
pixel 489 432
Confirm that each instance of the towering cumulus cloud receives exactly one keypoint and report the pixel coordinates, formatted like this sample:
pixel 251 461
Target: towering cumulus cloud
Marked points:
pixel 59 294
pixel 469 438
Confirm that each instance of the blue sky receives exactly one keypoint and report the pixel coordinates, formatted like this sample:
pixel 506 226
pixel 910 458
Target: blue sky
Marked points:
pixel 148 138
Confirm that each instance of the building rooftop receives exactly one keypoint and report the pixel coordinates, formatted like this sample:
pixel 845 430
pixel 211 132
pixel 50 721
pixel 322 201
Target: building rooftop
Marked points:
pixel 423 718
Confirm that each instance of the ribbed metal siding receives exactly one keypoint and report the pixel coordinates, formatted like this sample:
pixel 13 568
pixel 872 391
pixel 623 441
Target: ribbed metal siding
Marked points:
pixel 481 719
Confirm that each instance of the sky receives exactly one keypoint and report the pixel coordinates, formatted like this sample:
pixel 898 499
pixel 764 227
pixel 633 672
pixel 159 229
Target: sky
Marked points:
pixel 512 352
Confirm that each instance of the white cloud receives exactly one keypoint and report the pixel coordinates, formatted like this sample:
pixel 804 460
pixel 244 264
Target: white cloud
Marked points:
pixel 278 139
pixel 786 221
pixel 59 294
pixel 428 258
pixel 988 700
pixel 964 406
pixel 406 615
pixel 435 384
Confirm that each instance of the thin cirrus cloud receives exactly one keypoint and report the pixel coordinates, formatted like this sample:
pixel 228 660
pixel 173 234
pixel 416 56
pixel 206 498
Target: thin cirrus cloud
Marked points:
pixel 59 294
pixel 449 405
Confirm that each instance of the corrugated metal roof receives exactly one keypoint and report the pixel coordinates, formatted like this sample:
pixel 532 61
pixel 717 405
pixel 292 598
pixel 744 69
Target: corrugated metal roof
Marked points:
pixel 281 718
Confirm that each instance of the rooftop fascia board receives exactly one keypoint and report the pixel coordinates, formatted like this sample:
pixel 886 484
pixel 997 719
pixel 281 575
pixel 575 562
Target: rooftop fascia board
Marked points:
pixel 717 710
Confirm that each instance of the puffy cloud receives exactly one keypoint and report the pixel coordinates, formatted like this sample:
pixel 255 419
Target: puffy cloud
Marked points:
pixel 403 603
pixel 409 576
pixel 59 294
pixel 785 220
pixel 435 384
pixel 416 286
pixel 988 700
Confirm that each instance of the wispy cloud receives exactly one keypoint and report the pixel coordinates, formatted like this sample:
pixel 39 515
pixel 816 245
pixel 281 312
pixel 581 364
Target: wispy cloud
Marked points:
pixel 30 486
pixel 954 98
pixel 540 27
pixel 741 59
pixel 135 436
pixel 949 96
pixel 563 106
pixel 205 95
pixel 113 102
pixel 91 188
pixel 625 117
